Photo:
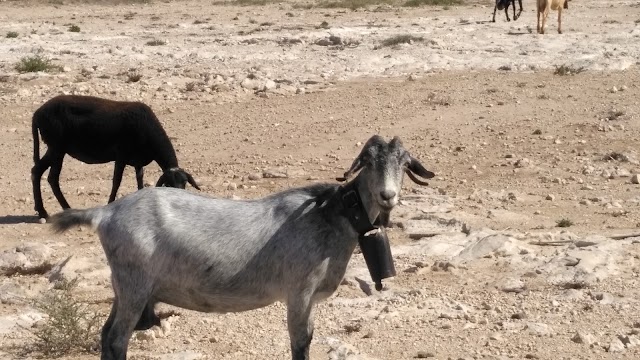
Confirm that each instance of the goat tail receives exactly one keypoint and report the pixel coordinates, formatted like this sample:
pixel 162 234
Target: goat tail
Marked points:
pixel 69 218
pixel 36 140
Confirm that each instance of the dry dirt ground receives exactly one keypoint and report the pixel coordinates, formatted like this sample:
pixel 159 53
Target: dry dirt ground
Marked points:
pixel 253 90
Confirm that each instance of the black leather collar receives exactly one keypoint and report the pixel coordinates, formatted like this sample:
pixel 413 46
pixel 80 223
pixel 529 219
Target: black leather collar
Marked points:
pixel 353 209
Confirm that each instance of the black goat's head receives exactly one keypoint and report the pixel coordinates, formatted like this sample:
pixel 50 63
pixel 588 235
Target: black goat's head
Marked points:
pixel 384 165
pixel 177 178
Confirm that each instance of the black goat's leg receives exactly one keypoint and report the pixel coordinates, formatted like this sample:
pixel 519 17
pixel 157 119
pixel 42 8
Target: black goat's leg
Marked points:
pixel 506 12
pixel 519 11
pixel 513 5
pixel 37 170
pixel 54 179
pixel 118 170
pixel 139 176
pixel 495 8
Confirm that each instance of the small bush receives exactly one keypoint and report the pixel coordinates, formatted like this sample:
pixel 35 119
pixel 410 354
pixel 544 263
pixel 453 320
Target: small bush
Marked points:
pixel 400 39
pixel 70 325
pixel 564 223
pixel 74 28
pixel 133 77
pixel 198 22
pixel 191 86
pixel 156 42
pixel 564 70
pixel 12 35
pixel 34 64
pixel 615 114
pixel 445 3
pixel 324 25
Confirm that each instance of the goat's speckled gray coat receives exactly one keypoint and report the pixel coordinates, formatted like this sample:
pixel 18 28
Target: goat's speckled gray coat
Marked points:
pixel 218 255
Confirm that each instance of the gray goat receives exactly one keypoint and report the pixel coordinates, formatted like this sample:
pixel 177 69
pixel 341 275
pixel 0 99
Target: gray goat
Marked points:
pixel 219 255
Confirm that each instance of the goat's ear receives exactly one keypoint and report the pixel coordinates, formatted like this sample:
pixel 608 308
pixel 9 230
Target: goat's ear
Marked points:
pixel 416 168
pixel 192 181
pixel 162 180
pixel 355 167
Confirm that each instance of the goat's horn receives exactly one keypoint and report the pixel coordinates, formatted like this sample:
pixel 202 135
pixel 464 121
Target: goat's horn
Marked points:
pixel 355 167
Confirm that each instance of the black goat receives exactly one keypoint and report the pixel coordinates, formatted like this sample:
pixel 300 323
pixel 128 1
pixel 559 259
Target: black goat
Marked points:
pixel 97 131
pixel 504 4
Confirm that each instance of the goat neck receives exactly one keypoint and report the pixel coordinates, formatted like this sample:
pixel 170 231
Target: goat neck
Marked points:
pixel 353 202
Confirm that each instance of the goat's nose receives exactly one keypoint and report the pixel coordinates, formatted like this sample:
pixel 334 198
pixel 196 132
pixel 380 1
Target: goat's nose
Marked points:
pixel 387 194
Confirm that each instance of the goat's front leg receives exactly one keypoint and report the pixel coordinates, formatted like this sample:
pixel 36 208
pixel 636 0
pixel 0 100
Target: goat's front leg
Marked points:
pixel 139 176
pixel 519 11
pixel 300 325
pixel 506 12
pixel 118 170
pixel 54 179
pixel 495 8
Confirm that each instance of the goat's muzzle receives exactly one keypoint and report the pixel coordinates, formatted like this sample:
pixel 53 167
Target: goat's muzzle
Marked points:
pixel 377 254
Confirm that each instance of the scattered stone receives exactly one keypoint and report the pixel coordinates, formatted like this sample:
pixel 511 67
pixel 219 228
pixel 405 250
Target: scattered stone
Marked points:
pixel 524 162
pixel 27 259
pixel 635 179
pixel 550 197
pixel 255 176
pixel 615 346
pixel 425 355
pixel 583 338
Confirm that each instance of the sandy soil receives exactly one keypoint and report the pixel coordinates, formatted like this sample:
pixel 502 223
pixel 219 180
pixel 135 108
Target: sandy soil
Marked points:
pixel 243 90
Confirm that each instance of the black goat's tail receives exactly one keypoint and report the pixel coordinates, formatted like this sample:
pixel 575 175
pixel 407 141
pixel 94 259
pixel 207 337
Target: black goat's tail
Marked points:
pixel 36 141
pixel 69 218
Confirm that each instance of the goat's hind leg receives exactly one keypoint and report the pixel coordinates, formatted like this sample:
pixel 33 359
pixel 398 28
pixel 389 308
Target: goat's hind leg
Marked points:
pixel 300 325
pixel 148 319
pixel 132 295
pixel 54 178
pixel 559 20
pixel 37 170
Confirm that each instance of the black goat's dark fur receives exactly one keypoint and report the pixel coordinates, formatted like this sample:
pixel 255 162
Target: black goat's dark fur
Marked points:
pixel 504 4
pixel 97 131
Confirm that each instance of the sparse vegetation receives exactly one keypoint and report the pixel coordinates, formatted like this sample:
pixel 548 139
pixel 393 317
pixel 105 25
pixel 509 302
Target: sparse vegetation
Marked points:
pixel 400 39
pixel 324 25
pixel 611 21
pixel 191 86
pixel 352 4
pixel 564 223
pixel 74 28
pixel 70 327
pixel 156 42
pixel 564 70
pixel 36 63
pixel 253 2
pixel 12 35
pixel 198 22
pixel 133 77
pixel 615 114
pixel 445 3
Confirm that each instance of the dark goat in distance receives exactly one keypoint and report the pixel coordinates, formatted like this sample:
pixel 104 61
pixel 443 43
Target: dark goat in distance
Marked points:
pixel 96 131
pixel 504 4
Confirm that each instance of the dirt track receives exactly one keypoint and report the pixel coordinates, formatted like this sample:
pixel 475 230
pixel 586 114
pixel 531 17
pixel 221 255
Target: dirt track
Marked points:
pixel 515 150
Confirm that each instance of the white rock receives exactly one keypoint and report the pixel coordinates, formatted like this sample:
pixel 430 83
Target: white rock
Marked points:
pixel 583 338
